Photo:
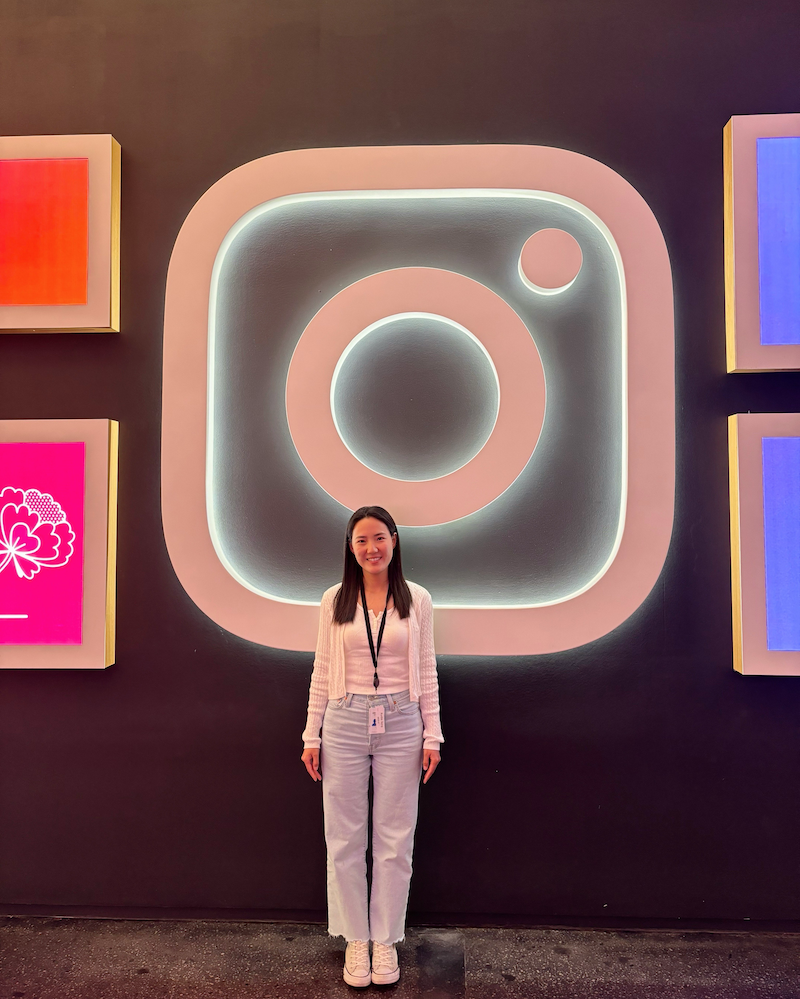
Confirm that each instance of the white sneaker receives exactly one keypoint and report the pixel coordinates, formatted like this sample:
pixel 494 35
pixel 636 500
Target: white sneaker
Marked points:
pixel 356 963
pixel 385 966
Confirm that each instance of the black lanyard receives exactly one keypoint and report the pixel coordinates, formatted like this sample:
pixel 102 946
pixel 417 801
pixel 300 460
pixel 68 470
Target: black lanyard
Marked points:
pixel 373 651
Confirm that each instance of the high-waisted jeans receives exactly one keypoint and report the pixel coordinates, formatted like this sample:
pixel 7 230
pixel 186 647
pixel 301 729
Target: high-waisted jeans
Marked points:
pixel 348 753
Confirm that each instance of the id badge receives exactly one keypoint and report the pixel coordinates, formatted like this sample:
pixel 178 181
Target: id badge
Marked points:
pixel 376 721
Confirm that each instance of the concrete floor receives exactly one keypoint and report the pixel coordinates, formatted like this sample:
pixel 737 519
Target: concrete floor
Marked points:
pixel 68 958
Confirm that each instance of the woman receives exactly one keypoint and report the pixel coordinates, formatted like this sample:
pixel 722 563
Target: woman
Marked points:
pixel 375 694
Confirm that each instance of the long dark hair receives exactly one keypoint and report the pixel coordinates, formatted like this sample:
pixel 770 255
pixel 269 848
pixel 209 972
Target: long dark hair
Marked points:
pixel 344 606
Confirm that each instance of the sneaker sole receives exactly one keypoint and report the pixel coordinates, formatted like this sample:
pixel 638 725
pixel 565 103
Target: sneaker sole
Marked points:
pixel 388 979
pixel 357 981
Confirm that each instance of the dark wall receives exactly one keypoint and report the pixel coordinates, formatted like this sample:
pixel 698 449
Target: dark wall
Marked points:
pixel 637 776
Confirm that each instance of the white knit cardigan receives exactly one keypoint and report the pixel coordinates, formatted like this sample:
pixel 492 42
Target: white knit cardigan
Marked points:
pixel 327 679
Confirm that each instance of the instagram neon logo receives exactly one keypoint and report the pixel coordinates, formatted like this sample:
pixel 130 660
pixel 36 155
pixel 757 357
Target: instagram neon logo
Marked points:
pixel 479 338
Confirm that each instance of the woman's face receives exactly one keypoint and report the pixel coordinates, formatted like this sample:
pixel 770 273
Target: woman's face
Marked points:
pixel 372 545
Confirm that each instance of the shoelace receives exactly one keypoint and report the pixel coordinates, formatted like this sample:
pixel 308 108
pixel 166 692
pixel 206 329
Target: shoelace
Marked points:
pixel 359 951
pixel 383 954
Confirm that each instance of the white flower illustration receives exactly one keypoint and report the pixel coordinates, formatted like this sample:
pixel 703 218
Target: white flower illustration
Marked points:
pixel 34 532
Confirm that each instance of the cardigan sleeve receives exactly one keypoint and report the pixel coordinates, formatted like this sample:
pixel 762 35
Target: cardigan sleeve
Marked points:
pixel 318 691
pixel 432 736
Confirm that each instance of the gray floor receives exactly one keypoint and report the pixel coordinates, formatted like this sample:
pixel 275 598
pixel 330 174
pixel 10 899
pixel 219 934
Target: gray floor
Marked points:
pixel 44 958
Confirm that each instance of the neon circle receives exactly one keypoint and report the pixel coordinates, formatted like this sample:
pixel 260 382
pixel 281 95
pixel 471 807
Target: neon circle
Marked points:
pixel 473 403
pixel 550 261
pixel 442 293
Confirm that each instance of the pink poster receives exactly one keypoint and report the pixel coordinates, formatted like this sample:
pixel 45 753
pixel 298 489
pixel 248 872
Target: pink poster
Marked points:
pixel 41 542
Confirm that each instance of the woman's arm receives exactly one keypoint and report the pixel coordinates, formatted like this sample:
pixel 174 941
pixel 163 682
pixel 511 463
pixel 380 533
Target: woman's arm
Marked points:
pixel 432 737
pixel 318 690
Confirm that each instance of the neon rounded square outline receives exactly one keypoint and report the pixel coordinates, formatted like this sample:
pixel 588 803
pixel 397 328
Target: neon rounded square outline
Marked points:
pixel 647 528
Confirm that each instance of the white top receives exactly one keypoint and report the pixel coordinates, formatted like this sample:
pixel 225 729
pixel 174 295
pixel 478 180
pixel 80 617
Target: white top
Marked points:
pixel 359 672
pixel 328 677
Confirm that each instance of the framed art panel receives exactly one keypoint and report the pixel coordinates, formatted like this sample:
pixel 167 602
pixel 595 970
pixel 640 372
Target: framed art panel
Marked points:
pixel 58 501
pixel 762 242
pixel 59 238
pixel 765 542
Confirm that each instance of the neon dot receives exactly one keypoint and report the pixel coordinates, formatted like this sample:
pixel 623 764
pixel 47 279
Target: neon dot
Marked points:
pixel 550 260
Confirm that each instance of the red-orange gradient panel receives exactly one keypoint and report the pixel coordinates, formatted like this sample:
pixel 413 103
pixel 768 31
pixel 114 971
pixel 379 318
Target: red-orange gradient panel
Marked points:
pixel 44 231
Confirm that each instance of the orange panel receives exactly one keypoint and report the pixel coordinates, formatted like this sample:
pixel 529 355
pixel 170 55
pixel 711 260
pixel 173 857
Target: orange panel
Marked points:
pixel 44 231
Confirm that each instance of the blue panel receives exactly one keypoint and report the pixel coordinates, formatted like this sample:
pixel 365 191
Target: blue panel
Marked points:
pixel 781 464
pixel 779 239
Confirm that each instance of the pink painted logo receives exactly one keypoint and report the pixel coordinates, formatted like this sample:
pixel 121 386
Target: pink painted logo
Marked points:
pixel 34 532
pixel 41 543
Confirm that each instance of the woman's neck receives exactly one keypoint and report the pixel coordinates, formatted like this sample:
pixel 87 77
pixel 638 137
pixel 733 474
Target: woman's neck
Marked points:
pixel 374 585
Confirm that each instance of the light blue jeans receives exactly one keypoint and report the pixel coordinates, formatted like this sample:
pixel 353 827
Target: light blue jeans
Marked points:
pixel 348 754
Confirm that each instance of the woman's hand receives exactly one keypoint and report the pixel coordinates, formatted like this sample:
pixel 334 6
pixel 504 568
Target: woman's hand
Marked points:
pixel 311 759
pixel 431 758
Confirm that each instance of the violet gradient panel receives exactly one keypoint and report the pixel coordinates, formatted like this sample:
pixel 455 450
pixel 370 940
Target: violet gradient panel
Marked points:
pixel 42 494
pixel 779 239
pixel 781 464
